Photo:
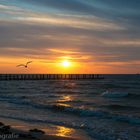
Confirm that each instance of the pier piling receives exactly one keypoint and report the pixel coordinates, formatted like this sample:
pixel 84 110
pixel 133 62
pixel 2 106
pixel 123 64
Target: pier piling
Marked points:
pixel 49 76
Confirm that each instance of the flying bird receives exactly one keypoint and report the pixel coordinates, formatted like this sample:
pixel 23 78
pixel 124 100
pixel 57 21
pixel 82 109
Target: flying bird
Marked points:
pixel 25 65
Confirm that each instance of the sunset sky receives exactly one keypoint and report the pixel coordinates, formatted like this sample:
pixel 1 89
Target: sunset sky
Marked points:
pixel 93 36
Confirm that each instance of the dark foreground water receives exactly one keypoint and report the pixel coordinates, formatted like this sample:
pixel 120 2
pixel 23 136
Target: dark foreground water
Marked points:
pixel 107 109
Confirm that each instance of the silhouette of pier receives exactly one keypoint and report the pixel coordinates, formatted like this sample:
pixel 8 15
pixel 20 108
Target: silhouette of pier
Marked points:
pixel 49 76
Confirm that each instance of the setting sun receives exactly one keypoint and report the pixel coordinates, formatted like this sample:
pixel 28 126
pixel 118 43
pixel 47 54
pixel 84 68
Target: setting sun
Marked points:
pixel 66 63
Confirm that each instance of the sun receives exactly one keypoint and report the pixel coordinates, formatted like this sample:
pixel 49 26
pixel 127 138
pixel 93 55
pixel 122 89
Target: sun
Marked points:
pixel 66 63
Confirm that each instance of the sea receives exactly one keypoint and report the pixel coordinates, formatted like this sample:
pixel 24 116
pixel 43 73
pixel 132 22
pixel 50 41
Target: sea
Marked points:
pixel 104 109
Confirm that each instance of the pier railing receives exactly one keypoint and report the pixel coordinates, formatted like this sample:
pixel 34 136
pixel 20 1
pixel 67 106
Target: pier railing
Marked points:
pixel 49 76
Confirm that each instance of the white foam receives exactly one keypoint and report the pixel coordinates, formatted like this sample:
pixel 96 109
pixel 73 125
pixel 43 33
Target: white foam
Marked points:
pixel 114 94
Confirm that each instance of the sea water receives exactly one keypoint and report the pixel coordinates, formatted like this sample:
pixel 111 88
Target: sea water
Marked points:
pixel 105 109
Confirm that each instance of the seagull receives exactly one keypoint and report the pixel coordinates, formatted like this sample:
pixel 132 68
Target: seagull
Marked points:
pixel 24 65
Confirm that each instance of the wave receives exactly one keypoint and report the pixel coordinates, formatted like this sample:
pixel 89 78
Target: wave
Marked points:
pixel 114 94
pixel 69 92
pixel 7 97
pixel 80 111
pixel 134 96
pixel 114 85
pixel 96 113
pixel 94 131
pixel 71 101
pixel 53 122
pixel 120 107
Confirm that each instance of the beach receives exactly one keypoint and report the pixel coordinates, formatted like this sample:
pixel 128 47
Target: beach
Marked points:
pixel 8 132
pixel 20 130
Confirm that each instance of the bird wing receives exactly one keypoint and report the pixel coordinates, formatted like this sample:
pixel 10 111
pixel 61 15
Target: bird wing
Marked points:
pixel 21 65
pixel 28 62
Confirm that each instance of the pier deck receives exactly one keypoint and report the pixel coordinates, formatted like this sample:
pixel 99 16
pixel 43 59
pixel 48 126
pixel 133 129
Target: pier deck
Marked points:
pixel 49 76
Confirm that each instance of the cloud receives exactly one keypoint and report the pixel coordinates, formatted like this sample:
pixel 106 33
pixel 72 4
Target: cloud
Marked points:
pixel 64 51
pixel 12 10
pixel 5 7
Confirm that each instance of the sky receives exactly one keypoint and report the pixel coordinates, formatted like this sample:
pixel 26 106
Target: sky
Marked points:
pixel 94 36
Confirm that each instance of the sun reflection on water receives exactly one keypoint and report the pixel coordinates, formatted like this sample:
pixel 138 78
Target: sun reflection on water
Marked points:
pixel 70 85
pixel 63 101
pixel 65 98
pixel 64 132
pixel 64 105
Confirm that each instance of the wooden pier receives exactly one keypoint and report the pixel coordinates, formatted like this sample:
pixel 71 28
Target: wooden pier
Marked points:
pixel 49 76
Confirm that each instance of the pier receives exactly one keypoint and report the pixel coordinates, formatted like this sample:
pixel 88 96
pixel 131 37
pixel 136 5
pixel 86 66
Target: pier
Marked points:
pixel 49 76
